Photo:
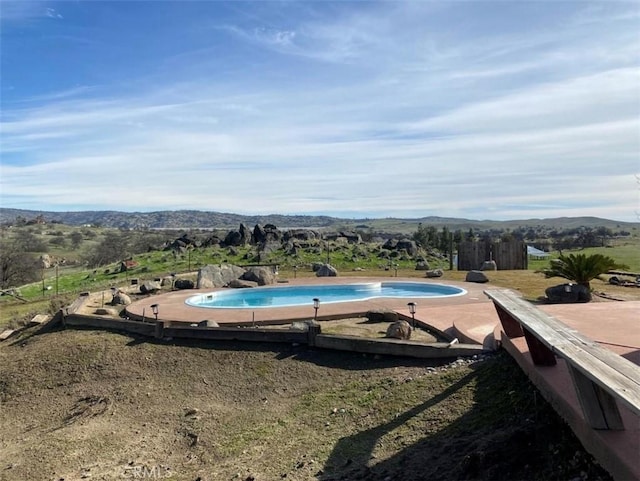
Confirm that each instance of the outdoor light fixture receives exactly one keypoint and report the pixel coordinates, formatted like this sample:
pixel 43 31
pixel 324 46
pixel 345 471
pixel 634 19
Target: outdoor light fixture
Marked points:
pixel 316 305
pixel 412 310
pixel 295 271
pixel 154 309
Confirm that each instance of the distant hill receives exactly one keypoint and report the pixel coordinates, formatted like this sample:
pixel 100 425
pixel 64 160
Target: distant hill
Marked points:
pixel 185 219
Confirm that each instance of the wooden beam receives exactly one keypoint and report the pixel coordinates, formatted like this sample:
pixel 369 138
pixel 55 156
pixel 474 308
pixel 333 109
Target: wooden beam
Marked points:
pixel 599 407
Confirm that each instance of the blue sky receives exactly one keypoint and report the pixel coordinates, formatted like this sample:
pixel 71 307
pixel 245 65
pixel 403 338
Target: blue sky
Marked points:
pixel 475 109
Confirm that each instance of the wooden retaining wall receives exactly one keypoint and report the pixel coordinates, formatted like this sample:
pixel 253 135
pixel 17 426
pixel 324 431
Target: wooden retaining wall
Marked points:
pixel 311 337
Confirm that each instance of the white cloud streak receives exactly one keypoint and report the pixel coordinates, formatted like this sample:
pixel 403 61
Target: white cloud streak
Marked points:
pixel 426 134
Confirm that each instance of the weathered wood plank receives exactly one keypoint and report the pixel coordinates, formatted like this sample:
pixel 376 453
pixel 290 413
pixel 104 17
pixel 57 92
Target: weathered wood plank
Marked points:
pixel 599 407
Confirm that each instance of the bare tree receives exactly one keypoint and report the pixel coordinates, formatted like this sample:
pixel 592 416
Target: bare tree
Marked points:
pixel 17 266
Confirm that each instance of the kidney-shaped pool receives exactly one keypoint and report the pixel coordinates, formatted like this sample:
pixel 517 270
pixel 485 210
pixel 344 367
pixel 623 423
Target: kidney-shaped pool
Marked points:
pixel 288 296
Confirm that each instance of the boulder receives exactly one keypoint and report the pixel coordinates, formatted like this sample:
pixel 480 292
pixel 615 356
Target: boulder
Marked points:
pixel 45 261
pixel 301 234
pixel 381 315
pixel 390 244
pixel 120 298
pixel 568 293
pixel 233 238
pixel 106 311
pixel 399 330
pixel 212 241
pixel 327 270
pixel 217 276
pixel 242 284
pixel 489 266
pixel 315 267
pixel 408 245
pixel 476 276
pixel 269 246
pixel 150 287
pixel 208 323
pixel 183 284
pixel 259 235
pixel 303 325
pixel 434 273
pixel 245 234
pixel 422 265
pixel 264 276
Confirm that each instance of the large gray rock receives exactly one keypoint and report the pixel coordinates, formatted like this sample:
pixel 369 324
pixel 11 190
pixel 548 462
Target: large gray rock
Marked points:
pixel 489 266
pixel 422 265
pixel 242 284
pixel 245 234
pixel 301 234
pixel 233 238
pixel 434 273
pixel 568 293
pixel 217 276
pixel 208 323
pixel 120 298
pixel 381 315
pixel 184 284
pixel 327 270
pixel 390 244
pixel 150 287
pixel 408 245
pixel 269 246
pixel 399 330
pixel 45 261
pixel 476 276
pixel 264 276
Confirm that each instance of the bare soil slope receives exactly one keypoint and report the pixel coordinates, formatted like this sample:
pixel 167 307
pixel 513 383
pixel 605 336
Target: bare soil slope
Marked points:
pixel 96 405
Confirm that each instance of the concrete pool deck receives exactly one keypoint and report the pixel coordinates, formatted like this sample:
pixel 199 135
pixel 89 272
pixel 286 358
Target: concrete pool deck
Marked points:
pixel 471 317
pixel 440 312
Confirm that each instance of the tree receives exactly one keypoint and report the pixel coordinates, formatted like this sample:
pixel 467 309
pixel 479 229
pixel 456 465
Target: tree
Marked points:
pixel 28 241
pixel 114 247
pixel 17 266
pixel 76 239
pixel 581 268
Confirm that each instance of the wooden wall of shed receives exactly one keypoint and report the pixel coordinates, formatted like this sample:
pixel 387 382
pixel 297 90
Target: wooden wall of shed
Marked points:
pixel 507 255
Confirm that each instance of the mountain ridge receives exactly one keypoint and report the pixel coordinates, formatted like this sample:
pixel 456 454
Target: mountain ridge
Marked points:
pixel 185 219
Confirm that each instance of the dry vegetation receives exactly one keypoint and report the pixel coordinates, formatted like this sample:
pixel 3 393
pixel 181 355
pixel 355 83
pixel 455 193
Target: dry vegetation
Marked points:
pixel 81 404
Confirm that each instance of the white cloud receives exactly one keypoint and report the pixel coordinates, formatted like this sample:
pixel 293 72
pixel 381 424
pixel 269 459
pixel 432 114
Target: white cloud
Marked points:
pixel 51 13
pixel 456 129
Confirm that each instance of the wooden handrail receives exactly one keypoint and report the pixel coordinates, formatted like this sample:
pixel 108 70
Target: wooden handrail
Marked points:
pixel 600 377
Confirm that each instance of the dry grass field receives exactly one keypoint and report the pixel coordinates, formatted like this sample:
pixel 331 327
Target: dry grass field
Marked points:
pixel 81 404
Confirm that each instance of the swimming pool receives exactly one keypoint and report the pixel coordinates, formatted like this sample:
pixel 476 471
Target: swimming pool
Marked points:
pixel 288 296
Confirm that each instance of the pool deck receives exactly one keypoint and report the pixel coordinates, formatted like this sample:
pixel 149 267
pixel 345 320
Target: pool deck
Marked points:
pixel 172 305
pixel 472 318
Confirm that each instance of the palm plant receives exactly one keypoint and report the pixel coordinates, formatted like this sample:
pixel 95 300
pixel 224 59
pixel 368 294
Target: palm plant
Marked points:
pixel 581 268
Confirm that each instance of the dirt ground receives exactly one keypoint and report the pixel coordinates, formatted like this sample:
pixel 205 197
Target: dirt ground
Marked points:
pixel 82 404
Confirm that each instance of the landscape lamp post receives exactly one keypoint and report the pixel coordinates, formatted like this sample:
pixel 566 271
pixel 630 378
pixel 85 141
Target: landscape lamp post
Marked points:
pixel 154 309
pixel 316 305
pixel 412 310
pixel 295 271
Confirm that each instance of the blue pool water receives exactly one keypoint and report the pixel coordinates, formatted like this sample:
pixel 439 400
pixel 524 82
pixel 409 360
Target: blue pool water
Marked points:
pixel 287 296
